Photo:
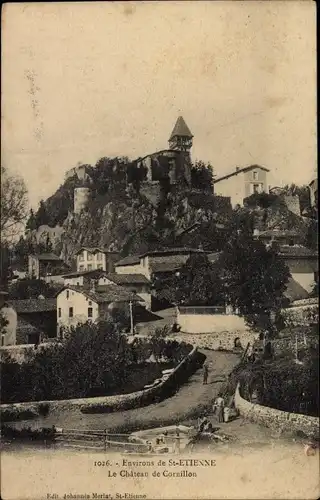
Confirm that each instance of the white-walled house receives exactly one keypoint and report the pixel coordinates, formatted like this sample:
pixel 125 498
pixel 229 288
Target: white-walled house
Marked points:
pixel 90 258
pixel 136 283
pixel 241 183
pixel 76 305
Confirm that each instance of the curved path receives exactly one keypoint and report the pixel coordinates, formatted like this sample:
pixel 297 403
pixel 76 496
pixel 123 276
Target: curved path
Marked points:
pixel 188 402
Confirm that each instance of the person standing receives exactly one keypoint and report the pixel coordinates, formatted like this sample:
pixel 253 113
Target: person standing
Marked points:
pixel 205 374
pixel 220 408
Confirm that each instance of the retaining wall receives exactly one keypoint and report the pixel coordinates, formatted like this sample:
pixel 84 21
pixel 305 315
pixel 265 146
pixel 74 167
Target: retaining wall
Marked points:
pixel 302 314
pixel 223 340
pixel 108 404
pixel 211 323
pixel 276 419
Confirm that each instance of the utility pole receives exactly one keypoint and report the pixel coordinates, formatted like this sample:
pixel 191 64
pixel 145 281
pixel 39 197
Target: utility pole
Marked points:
pixel 131 318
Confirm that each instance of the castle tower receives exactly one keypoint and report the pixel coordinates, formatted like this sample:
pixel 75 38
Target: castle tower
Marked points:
pixel 181 137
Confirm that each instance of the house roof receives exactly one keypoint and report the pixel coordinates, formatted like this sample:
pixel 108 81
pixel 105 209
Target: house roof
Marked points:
pixel 296 251
pixel 95 250
pixel 47 256
pixel 239 171
pixel 173 251
pixel 130 260
pixel 33 305
pixel 181 128
pixel 295 291
pixel 122 279
pixel 95 273
pixel 106 293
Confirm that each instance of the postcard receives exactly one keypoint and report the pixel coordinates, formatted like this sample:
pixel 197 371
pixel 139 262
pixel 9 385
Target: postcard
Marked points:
pixel 159 251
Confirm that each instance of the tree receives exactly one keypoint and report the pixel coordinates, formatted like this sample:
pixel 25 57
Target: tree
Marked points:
pixel 31 289
pixel 42 218
pixel 14 201
pixel 202 176
pixel 31 222
pixel 254 279
pixel 136 175
pixel 198 282
pixel 4 264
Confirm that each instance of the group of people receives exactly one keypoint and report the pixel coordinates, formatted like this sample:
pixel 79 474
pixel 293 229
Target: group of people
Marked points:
pixel 222 411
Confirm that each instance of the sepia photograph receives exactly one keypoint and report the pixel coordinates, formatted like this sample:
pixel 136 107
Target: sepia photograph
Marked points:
pixel 159 251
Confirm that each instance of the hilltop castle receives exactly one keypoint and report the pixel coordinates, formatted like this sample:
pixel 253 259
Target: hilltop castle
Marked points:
pixel 177 159
pixel 173 163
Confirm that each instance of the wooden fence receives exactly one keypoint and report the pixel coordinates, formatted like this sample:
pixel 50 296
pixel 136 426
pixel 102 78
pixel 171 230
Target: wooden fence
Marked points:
pixel 99 440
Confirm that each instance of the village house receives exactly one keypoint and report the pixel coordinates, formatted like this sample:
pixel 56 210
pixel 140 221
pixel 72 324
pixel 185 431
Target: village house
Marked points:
pixel 31 321
pixel 282 237
pixel 90 258
pixel 302 263
pixel 136 283
pixel 76 305
pixel 242 183
pixel 157 262
pixel 41 266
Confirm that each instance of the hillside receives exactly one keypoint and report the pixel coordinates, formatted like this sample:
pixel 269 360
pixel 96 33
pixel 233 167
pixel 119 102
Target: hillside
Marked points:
pixel 122 213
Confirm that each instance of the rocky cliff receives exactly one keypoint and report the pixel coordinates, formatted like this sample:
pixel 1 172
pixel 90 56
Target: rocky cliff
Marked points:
pixel 131 223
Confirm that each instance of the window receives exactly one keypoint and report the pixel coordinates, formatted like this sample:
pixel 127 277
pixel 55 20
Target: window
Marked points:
pixel 100 266
pixel 78 283
pixel 59 312
pixel 70 312
pixel 99 256
pixel 89 267
pixel 89 256
pixel 81 256
pixel 291 242
pixel 81 268
pixel 2 339
pixel 89 312
pixel 90 303
pixel 67 294
pixel 255 176
pixel 256 188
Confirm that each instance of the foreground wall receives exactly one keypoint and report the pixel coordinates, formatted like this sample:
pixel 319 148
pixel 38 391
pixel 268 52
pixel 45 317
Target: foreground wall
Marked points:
pixel 216 341
pixel 210 323
pixel 276 419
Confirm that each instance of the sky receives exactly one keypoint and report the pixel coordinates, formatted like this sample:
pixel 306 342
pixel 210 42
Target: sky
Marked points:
pixel 86 80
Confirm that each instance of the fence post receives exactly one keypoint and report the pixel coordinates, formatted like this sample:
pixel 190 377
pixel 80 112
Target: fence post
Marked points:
pixel 105 439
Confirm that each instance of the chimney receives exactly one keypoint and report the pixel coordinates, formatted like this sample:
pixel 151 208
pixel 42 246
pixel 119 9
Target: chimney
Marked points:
pixel 237 169
pixel 93 286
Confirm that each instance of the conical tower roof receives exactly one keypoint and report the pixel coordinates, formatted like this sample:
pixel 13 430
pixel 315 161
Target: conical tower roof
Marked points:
pixel 180 129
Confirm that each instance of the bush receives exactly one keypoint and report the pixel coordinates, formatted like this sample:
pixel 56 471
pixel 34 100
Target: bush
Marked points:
pixel 44 409
pixel 43 434
pixel 13 414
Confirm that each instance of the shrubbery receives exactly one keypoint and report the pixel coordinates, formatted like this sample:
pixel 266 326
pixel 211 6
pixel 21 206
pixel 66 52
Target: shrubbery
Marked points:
pixel 283 383
pixel 93 359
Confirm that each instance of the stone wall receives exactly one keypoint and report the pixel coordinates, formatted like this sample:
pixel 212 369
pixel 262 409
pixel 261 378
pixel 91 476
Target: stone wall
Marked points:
pixel 276 419
pixel 303 315
pixel 211 323
pixel 222 340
